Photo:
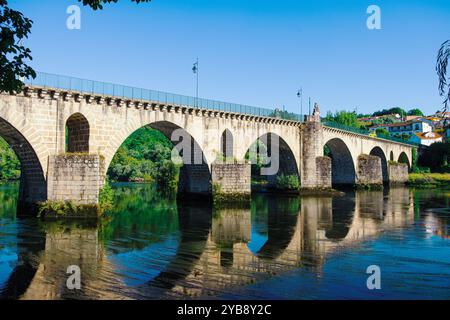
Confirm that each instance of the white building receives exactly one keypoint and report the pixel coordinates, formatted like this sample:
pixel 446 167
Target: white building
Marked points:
pixel 409 127
pixel 426 139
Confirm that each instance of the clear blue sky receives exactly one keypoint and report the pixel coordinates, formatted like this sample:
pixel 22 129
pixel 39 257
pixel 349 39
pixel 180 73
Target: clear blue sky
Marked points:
pixel 255 52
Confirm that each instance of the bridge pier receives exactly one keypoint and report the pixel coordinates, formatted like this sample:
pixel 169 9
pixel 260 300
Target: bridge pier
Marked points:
pixel 231 181
pixel 369 171
pixel 398 173
pixel 315 168
pixel 75 177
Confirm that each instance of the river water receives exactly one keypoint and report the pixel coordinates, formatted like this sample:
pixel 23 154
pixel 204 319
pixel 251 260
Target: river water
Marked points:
pixel 283 247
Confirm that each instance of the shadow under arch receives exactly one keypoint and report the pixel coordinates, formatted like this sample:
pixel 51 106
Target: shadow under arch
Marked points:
pixel 342 166
pixel 227 144
pixel 403 158
pixel 279 154
pixel 78 131
pixel 378 152
pixel 282 221
pixel 30 246
pixel 33 186
pixel 343 211
pixel 195 226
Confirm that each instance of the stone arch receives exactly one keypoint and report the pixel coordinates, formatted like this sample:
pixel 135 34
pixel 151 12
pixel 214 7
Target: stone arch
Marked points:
pixel 342 165
pixel 195 174
pixel 277 149
pixel 281 226
pixel 78 130
pixel 378 152
pixel 341 218
pixel 33 187
pixel 227 144
pixel 403 158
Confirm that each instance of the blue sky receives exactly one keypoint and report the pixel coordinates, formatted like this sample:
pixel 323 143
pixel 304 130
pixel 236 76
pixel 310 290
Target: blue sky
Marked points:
pixel 255 52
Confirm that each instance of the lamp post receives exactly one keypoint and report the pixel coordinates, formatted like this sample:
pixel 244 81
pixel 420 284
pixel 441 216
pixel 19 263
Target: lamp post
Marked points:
pixel 300 96
pixel 195 70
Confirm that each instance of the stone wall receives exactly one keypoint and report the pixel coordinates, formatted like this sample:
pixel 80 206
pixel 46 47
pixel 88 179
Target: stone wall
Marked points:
pixel 398 173
pixel 312 147
pixel 323 165
pixel 234 178
pixel 78 178
pixel 369 170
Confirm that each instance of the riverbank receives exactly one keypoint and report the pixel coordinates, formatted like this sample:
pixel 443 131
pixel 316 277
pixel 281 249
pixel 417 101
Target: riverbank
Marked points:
pixel 429 180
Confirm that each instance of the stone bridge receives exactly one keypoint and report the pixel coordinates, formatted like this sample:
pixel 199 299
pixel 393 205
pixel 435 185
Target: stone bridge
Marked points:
pixel 66 139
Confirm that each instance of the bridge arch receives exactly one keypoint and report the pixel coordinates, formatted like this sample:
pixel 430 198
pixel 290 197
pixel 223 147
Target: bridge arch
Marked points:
pixel 378 152
pixel 278 155
pixel 33 186
pixel 227 144
pixel 403 158
pixel 195 174
pixel 342 164
pixel 77 130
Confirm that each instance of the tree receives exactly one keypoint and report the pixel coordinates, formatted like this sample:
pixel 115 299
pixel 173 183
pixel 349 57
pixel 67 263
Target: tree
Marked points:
pixel 14 27
pixel 345 118
pixel 441 69
pixel 395 110
pixel 415 112
pixel 382 132
pixel 98 4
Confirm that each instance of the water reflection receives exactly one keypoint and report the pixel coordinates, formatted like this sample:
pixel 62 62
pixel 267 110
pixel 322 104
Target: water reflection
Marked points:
pixel 157 248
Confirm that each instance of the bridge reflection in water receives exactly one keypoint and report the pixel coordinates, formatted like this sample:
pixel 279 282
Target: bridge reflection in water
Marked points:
pixel 217 250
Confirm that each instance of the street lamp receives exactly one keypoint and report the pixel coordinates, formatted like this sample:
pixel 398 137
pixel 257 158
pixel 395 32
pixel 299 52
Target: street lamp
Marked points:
pixel 300 96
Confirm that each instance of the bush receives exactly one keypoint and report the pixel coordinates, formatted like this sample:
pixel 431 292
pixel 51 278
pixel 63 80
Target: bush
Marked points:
pixel 287 182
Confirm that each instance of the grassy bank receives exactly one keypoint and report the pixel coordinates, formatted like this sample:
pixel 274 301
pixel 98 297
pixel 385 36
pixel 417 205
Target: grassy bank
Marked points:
pixel 429 180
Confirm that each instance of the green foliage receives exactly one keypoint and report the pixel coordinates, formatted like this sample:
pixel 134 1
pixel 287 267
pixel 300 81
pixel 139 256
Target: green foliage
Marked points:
pixel 327 151
pixel 415 112
pixel 384 112
pixel 145 157
pixel 287 182
pixel 382 132
pixel 98 4
pixel 436 157
pixel 68 209
pixel 417 169
pixel 345 118
pixel 14 27
pixel 151 212
pixel 106 196
pixel 429 180
pixel 9 163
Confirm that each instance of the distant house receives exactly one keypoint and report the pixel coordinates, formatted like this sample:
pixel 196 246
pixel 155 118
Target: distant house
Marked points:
pixel 442 115
pixel 410 118
pixel 426 139
pixel 408 127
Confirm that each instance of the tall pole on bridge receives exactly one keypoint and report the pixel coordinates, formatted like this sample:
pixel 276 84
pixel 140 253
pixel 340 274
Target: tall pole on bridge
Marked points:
pixel 195 70
pixel 300 95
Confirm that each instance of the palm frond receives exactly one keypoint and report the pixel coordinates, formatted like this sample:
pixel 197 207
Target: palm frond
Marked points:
pixel 441 69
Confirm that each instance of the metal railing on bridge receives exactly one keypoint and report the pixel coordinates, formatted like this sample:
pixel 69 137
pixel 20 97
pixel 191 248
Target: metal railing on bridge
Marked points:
pixel 47 80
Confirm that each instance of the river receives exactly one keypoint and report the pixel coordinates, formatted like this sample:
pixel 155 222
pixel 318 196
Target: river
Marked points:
pixel 282 247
